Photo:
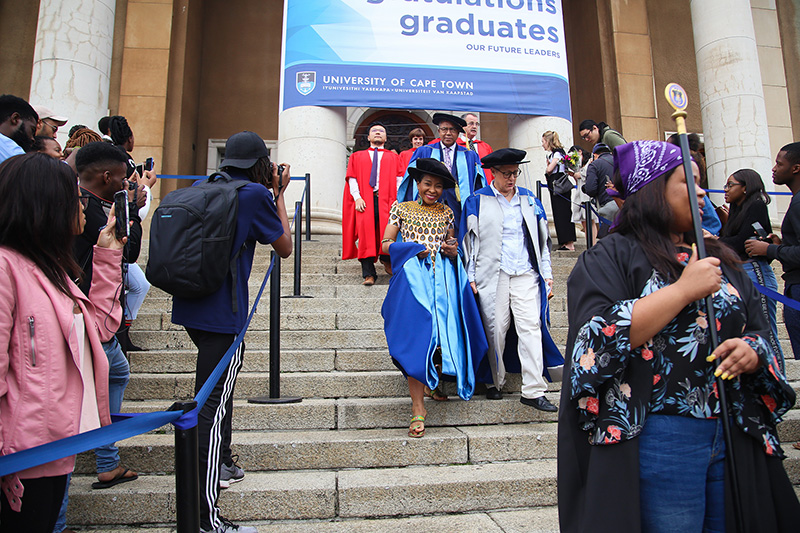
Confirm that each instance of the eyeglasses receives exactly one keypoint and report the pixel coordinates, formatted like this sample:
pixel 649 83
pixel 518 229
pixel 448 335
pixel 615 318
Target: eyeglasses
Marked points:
pixel 585 136
pixel 84 199
pixel 445 130
pixel 53 126
pixel 508 175
pixel 730 185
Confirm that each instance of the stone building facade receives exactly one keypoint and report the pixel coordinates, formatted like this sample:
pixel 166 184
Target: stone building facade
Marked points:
pixel 189 73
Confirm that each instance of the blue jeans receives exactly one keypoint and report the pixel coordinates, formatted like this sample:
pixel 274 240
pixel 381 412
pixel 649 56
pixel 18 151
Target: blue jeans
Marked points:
pixel 136 287
pixel 760 272
pixel 682 474
pixel 119 373
pixel 61 521
pixel 792 318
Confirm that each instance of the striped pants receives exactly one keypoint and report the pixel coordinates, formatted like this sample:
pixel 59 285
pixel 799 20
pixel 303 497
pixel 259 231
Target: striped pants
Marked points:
pixel 215 418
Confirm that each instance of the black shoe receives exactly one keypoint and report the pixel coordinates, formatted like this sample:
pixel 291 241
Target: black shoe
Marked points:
pixel 541 403
pixel 124 339
pixel 493 394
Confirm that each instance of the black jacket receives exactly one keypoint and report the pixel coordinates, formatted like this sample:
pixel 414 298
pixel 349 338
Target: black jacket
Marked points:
pixel 788 253
pixel 598 173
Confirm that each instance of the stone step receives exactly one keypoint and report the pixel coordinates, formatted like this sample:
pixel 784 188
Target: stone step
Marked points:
pixel 363 448
pixel 305 320
pixel 534 520
pixel 367 413
pixel 183 361
pixel 381 492
pixel 259 339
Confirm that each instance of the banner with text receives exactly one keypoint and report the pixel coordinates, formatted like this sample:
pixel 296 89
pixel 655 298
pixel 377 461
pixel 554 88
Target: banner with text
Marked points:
pixel 503 56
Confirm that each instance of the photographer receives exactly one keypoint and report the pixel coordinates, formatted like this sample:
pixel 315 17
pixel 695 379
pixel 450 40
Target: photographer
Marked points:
pixel 213 324
pixel 101 169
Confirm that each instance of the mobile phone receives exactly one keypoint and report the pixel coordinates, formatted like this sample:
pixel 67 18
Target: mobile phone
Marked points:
pixel 149 163
pixel 121 214
pixel 760 231
pixel 140 170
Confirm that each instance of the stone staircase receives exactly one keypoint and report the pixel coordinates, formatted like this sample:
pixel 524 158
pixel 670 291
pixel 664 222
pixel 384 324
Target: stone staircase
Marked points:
pixel 341 459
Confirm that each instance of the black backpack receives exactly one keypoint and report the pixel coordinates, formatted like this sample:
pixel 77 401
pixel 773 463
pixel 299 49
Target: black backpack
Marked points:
pixel 191 238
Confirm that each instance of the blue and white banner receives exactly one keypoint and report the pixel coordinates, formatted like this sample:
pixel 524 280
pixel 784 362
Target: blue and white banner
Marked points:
pixel 503 56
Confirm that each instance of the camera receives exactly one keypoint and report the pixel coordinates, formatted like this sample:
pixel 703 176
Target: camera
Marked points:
pixel 280 176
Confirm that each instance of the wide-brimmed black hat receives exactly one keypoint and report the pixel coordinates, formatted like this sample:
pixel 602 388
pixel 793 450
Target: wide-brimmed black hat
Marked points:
pixel 428 166
pixel 243 149
pixel 458 122
pixel 504 156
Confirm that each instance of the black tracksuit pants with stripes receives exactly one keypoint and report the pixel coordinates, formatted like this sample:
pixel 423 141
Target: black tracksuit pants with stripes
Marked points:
pixel 215 418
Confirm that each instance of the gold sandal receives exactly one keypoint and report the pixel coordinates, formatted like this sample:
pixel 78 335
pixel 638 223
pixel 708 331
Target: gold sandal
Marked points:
pixel 436 394
pixel 417 427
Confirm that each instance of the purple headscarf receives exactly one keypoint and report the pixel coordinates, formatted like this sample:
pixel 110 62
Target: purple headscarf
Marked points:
pixel 640 162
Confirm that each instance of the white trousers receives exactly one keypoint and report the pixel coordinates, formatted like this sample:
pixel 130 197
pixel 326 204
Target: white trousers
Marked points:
pixel 519 295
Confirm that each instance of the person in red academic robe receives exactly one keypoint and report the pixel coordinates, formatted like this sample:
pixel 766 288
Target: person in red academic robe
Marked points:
pixel 470 141
pixel 370 190
pixel 417 137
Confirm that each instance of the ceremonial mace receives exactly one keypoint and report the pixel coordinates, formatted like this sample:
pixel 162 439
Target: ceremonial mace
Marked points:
pixel 676 97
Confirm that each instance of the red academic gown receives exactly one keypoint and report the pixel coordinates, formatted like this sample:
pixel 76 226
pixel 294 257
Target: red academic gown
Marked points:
pixel 483 149
pixel 405 158
pixel 358 229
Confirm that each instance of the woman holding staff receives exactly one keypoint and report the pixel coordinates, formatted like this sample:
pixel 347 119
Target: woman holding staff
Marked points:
pixel 639 406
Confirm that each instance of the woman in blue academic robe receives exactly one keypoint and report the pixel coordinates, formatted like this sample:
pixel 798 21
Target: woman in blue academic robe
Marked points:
pixel 431 320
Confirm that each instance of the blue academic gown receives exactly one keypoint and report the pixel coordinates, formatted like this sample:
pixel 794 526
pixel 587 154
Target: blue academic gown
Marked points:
pixel 536 240
pixel 466 168
pixel 425 309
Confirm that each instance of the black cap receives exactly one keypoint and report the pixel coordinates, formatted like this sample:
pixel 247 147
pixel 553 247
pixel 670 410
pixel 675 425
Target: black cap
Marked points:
pixel 427 166
pixel 458 122
pixel 242 150
pixel 601 148
pixel 504 156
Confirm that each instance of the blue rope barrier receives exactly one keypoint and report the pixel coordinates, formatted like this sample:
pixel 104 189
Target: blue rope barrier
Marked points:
pixel 778 297
pixel 197 178
pixel 771 193
pixel 129 424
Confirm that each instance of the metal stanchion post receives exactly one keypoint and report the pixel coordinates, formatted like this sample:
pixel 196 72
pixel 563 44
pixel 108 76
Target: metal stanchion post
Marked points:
pixel 298 244
pixel 589 240
pixel 187 474
pixel 539 190
pixel 274 338
pixel 308 206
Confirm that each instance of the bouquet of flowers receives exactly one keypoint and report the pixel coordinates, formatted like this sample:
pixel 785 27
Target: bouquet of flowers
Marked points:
pixel 574 161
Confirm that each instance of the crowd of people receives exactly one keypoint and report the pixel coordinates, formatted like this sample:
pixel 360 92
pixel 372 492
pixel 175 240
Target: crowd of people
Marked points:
pixel 639 399
pixel 469 253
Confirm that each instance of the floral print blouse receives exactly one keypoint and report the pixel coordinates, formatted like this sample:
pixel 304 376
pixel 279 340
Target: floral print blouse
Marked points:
pixel 426 225
pixel 617 387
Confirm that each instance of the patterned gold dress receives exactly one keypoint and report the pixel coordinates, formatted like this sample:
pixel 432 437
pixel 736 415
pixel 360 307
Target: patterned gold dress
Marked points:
pixel 426 225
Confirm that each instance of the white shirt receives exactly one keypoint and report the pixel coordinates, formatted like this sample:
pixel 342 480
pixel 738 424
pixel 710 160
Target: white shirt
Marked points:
pixel 514 258
pixel 8 148
pixel 353 183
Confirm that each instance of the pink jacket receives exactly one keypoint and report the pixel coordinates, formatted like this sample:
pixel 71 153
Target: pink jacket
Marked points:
pixel 41 389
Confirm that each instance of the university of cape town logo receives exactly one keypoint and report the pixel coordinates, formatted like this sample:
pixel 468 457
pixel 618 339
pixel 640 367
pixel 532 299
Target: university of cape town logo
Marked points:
pixel 306 81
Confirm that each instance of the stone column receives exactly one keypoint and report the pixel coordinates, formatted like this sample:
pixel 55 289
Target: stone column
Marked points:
pixel 525 133
pixel 72 60
pixel 731 94
pixel 313 139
